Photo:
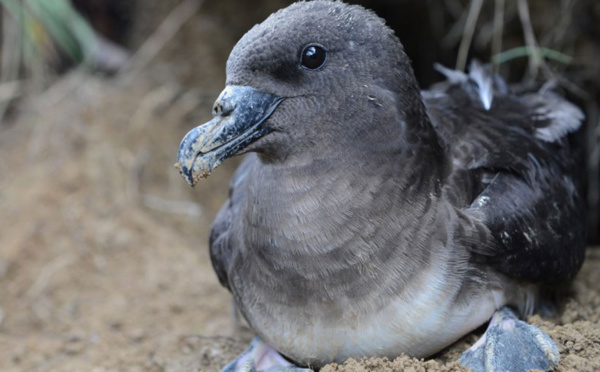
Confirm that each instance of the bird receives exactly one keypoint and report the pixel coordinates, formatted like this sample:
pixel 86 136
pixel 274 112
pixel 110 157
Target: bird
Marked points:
pixel 372 219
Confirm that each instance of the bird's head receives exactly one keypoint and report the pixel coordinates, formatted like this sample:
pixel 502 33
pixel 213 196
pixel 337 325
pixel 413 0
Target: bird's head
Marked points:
pixel 311 79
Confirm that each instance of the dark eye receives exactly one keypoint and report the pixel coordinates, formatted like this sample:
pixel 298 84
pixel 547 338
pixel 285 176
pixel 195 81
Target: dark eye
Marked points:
pixel 313 57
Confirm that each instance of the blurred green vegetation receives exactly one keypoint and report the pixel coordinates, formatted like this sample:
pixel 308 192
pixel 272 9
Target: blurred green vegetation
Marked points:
pixel 38 33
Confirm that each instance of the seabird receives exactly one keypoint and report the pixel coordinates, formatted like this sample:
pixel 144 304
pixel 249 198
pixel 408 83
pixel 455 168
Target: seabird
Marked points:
pixel 370 219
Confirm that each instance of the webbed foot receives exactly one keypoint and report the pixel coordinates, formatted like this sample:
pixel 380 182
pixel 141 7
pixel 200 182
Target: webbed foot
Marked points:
pixel 510 344
pixel 260 357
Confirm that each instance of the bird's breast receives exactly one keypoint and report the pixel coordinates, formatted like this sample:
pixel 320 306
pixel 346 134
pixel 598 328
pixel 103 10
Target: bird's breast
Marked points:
pixel 419 320
pixel 328 269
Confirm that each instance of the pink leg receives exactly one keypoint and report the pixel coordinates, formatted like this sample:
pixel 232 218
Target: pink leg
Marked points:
pixel 260 357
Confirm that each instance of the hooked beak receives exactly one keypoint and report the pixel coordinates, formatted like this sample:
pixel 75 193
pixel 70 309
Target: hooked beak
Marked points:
pixel 240 113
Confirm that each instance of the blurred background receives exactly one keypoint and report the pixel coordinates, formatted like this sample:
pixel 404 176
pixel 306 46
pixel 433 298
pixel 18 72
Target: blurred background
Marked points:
pixel 103 247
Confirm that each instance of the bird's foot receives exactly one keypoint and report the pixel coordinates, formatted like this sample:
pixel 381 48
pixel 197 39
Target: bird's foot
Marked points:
pixel 510 344
pixel 260 357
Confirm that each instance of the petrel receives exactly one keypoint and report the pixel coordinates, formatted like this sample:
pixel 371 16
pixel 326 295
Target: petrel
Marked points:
pixel 370 219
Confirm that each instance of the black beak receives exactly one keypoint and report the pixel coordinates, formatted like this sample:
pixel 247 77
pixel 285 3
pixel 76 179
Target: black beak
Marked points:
pixel 240 113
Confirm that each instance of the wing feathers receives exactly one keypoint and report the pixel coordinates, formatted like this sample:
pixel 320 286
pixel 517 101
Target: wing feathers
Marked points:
pixel 510 150
pixel 553 116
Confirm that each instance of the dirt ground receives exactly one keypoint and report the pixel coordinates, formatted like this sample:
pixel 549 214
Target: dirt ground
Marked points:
pixel 103 247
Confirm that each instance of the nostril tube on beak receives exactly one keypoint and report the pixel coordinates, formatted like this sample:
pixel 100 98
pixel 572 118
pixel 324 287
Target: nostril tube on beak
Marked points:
pixel 225 104
pixel 217 108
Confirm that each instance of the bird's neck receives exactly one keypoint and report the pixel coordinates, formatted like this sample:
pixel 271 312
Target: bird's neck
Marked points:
pixel 332 203
pixel 335 192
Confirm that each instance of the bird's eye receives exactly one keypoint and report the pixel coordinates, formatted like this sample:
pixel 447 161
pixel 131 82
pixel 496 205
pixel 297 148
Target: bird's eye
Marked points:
pixel 313 57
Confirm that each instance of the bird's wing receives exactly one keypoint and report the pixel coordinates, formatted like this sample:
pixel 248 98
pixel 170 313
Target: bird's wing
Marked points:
pixel 515 171
pixel 221 234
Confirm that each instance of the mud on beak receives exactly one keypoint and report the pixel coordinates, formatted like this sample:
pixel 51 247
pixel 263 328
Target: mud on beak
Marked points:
pixel 240 113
